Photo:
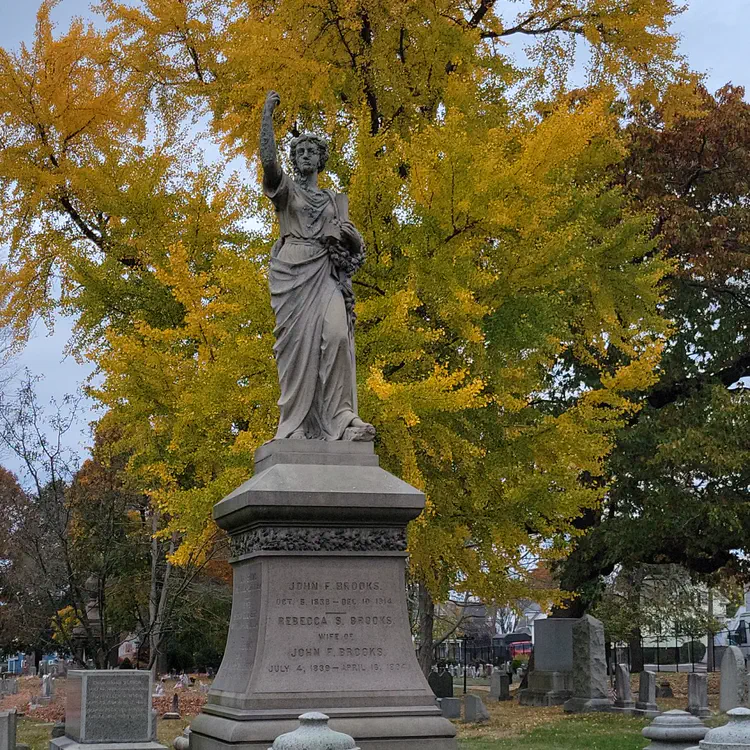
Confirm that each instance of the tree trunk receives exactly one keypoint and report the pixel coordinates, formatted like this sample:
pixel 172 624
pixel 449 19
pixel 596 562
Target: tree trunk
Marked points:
pixel 426 623
pixel 636 651
pixel 710 656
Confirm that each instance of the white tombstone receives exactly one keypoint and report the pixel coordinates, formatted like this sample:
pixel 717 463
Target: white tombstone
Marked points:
pixel 733 690
pixel 8 730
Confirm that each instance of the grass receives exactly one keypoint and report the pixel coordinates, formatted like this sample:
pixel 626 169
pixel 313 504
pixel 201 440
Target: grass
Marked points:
pixel 591 731
pixel 36 734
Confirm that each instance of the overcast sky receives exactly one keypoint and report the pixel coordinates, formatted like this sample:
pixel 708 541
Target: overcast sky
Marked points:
pixel 713 36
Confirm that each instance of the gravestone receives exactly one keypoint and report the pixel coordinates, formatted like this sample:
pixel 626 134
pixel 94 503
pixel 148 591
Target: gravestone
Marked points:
pixel 698 695
pixel 590 687
pixel 646 703
pixel 108 707
pixel 550 682
pixel 664 690
pixel 499 686
pixel 474 709
pixel 674 730
pixel 450 707
pixel 319 618
pixel 623 691
pixel 733 688
pixel 441 684
pixel 8 730
pixel 175 712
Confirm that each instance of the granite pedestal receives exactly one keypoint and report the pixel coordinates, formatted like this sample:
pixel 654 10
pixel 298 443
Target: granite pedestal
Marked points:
pixel 319 619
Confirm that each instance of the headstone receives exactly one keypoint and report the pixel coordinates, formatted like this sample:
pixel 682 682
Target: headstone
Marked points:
pixel 674 730
pixel 175 712
pixel 590 687
pixel 111 707
pixel 8 730
pixel 623 691
pixel 159 690
pixel 450 707
pixel 474 709
pixel 441 684
pixel 698 695
pixel 646 703
pixel 47 686
pixel 733 689
pixel 182 741
pixel 499 686
pixel 664 690
pixel 550 682
pixel 732 736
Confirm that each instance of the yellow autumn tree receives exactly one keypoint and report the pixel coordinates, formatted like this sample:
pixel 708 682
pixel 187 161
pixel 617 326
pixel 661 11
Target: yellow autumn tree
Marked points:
pixel 500 262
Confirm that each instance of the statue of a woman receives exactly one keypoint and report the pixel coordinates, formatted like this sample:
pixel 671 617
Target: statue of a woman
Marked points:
pixel 311 293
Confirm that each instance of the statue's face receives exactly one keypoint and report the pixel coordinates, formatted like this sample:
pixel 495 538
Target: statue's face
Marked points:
pixel 307 157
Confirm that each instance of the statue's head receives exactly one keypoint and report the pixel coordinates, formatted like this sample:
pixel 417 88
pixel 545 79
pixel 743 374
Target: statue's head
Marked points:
pixel 309 153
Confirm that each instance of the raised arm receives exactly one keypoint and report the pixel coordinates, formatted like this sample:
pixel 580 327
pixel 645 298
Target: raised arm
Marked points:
pixel 268 157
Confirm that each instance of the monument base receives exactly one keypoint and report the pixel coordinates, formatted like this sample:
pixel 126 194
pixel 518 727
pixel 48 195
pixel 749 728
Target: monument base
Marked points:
pixel 546 689
pixel 646 710
pixel 66 743
pixel 319 619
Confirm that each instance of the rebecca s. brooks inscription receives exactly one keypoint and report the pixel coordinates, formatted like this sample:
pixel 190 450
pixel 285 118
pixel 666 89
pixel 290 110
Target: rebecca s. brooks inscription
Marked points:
pixel 109 706
pixel 334 623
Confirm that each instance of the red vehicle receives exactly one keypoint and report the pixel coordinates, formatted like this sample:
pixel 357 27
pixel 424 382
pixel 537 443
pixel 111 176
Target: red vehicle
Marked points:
pixel 520 650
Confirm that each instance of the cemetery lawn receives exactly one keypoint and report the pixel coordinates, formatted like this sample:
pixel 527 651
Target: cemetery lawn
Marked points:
pixel 592 731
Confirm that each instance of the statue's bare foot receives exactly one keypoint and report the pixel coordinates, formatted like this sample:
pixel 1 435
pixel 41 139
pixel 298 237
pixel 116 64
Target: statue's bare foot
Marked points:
pixel 298 434
pixel 359 431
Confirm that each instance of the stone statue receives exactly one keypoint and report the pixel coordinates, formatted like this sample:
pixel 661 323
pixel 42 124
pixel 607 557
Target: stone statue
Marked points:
pixel 311 293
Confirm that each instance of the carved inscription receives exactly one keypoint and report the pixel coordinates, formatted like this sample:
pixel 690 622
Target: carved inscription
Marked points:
pixel 338 625
pixel 117 708
pixel 317 539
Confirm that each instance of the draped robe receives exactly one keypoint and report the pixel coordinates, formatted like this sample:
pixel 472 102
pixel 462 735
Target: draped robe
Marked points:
pixel 314 346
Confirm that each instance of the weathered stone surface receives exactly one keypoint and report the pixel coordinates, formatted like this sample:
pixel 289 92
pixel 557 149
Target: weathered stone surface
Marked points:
pixel 646 703
pixel 590 688
pixel 450 707
pixel 105 706
pixel 674 730
pixel 8 730
pixel 624 700
pixel 499 685
pixel 698 695
pixel 321 628
pixel 733 689
pixel 474 709
pixel 553 644
pixel 734 735
pixel 664 690
pixel 547 688
pixel 314 733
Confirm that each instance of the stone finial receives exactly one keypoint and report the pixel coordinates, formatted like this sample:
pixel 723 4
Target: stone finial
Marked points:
pixel 732 736
pixel 314 733
pixel 674 730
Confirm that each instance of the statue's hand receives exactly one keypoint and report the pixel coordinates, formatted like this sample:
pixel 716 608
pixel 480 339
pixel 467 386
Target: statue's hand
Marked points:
pixel 272 101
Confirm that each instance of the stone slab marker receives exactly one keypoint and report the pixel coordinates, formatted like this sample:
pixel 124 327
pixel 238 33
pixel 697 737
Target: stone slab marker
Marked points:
pixel 8 730
pixel 646 703
pixel 474 709
pixel 109 708
pixel 733 690
pixel 499 685
pixel 450 707
pixel 624 700
pixel 590 687
pixel 698 695
pixel 319 619
pixel 551 680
